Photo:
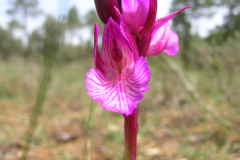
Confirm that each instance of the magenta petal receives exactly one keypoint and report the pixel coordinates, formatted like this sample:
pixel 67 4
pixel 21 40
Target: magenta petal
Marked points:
pixel 97 59
pixel 135 12
pixel 141 74
pixel 172 46
pixel 112 28
pixel 127 34
pixel 123 93
pixel 116 51
pixel 117 55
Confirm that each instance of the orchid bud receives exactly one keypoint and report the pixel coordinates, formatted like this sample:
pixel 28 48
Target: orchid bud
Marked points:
pixel 139 14
pixel 107 9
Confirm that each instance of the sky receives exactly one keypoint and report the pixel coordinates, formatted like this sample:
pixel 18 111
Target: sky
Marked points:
pixel 57 7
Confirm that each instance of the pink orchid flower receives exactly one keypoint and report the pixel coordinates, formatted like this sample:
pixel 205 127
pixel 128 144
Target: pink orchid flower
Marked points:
pixel 163 40
pixel 121 73
pixel 160 38
pixel 119 76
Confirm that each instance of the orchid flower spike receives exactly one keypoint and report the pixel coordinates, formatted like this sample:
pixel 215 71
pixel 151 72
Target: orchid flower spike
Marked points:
pixel 119 76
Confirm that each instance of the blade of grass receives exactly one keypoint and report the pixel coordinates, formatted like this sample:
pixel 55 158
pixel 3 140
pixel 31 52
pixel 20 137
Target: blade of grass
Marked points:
pixel 52 48
pixel 92 125
pixel 88 127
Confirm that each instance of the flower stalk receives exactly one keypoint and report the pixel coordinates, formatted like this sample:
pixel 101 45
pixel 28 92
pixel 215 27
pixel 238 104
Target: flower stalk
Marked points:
pixel 130 133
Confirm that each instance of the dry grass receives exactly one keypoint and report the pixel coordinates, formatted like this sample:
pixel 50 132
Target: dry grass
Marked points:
pixel 171 125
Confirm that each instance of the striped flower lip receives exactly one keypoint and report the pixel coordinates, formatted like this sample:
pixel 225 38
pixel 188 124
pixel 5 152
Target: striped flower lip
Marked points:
pixel 119 77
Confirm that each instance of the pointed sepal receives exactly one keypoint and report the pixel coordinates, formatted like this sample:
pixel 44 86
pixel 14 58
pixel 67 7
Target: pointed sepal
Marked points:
pixel 163 20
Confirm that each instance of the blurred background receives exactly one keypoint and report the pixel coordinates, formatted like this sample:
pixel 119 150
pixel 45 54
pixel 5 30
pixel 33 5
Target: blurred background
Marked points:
pixel 191 111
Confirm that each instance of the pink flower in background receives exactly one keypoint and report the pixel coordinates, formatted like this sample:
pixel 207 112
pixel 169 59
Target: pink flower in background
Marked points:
pixel 160 38
pixel 163 40
pixel 120 76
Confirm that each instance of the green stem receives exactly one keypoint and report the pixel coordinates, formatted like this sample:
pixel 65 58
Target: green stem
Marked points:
pixel 52 48
pixel 38 106
pixel 88 126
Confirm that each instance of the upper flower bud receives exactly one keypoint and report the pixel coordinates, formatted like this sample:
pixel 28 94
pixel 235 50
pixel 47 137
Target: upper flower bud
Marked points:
pixel 139 14
pixel 107 9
